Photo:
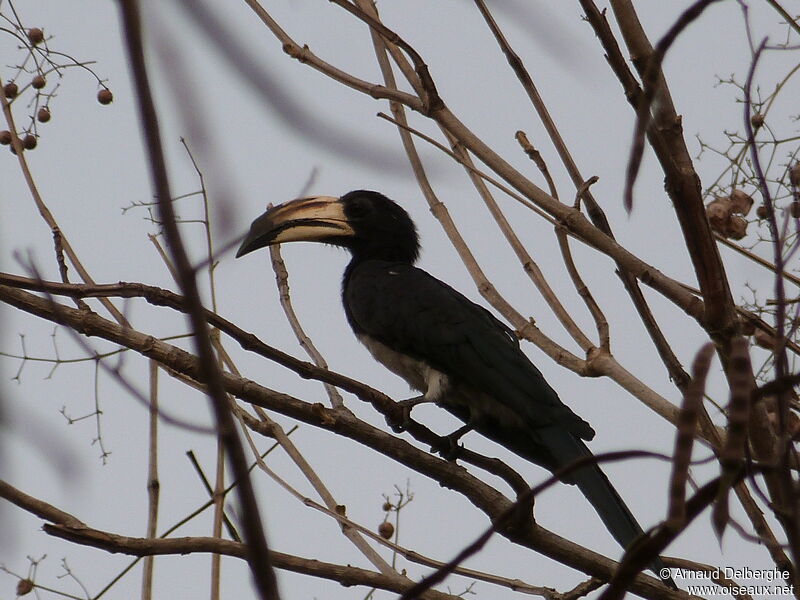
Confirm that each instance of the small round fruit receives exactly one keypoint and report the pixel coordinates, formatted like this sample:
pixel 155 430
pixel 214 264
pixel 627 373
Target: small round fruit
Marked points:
pixel 105 96
pixel 24 586
pixel 35 35
pixel 5 137
pixel 38 82
pixel 757 120
pixel 794 174
pixel 387 506
pixel 43 116
pixel 29 142
pixel 386 530
pixel 10 90
pixel 762 212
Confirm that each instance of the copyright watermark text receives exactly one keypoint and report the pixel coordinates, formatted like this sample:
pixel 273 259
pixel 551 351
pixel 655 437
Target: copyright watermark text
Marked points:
pixel 765 582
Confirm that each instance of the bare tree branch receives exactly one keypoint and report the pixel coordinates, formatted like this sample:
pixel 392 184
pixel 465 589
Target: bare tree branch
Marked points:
pixel 258 551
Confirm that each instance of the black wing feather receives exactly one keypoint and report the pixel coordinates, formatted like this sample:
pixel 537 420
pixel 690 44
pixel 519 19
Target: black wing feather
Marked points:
pixel 414 313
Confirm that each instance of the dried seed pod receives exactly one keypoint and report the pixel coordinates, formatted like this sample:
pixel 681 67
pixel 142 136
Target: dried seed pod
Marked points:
pixel 35 35
pixel 794 174
pixel 43 116
pixel 764 339
pixel 10 90
pixel 746 327
pixel 387 506
pixel 718 212
pixel 29 142
pixel 792 423
pixel 105 96
pixel 38 82
pixel 741 202
pixel 762 212
pixel 386 530
pixel 5 137
pixel 736 228
pixel 757 120
pixel 794 426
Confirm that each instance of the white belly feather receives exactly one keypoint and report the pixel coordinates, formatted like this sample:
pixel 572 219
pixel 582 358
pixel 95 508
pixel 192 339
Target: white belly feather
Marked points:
pixel 420 376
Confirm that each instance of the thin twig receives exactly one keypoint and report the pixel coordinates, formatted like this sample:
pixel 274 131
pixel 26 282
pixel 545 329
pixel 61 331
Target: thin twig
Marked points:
pixel 258 551
pixel 344 423
pixel 515 514
pixel 536 157
pixel 282 283
pixel 267 426
pixel 47 216
pixel 153 483
pixel 642 554
pixel 652 78
pixel 684 436
pixel 216 497
pixel 732 456
pixel 594 210
pixel 780 484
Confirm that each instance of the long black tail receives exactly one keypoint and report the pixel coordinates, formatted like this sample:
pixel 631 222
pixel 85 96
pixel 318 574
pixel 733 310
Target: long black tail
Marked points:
pixel 554 448
pixel 594 484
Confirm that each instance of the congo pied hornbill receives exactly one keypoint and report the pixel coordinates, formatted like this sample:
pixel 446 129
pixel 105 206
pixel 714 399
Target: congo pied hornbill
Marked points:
pixel 447 347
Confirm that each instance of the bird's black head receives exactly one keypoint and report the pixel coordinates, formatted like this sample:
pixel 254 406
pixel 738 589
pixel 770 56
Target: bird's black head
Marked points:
pixel 367 223
pixel 382 228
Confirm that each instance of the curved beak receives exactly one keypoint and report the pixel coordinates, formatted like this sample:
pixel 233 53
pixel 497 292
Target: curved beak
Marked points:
pixel 315 219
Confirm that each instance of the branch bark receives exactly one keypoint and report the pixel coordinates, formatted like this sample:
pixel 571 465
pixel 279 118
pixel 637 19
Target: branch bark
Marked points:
pixel 342 422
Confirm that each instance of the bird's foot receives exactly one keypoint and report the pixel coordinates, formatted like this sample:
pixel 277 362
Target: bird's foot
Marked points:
pixel 406 406
pixel 448 446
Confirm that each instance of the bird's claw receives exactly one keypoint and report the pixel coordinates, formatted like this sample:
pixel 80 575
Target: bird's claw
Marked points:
pixel 405 406
pixel 448 446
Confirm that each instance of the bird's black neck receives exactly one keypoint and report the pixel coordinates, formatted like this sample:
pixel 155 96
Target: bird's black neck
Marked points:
pixel 372 264
pixel 388 248
pixel 359 260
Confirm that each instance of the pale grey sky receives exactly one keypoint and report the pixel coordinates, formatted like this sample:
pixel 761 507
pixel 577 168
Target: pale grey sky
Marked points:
pixel 90 164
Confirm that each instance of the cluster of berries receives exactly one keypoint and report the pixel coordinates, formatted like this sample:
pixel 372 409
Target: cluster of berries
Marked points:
pixel 11 90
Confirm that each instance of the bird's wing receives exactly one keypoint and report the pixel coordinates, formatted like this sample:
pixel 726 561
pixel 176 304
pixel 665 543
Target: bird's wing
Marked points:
pixel 414 313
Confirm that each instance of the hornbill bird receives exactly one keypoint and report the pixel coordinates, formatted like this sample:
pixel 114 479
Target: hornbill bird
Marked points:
pixel 444 345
